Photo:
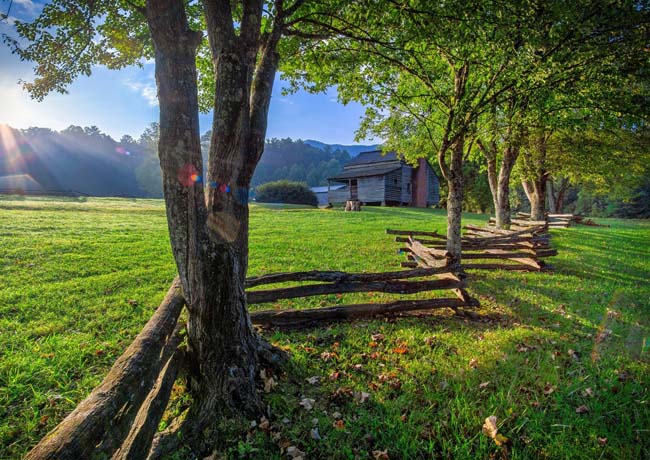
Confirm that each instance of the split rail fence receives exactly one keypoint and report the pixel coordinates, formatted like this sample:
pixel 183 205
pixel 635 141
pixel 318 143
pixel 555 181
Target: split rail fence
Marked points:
pixel 482 248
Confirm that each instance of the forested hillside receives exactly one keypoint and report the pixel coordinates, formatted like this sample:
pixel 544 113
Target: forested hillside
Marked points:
pixel 76 160
pixel 86 161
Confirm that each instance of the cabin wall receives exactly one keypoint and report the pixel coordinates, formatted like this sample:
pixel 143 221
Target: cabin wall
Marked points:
pixel 393 186
pixel 339 196
pixel 433 185
pixel 371 189
pixel 407 193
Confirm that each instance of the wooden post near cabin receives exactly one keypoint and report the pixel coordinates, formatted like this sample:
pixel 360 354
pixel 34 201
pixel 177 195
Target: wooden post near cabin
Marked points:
pixel 353 205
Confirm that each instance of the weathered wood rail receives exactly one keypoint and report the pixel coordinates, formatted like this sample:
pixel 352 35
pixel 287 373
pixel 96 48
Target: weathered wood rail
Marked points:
pixel 521 249
pixel 340 283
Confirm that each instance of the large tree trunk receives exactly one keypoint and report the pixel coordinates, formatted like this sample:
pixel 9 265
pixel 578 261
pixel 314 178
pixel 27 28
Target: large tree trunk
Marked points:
pixel 536 176
pixel 210 240
pixel 455 202
pixel 500 184
pixel 510 156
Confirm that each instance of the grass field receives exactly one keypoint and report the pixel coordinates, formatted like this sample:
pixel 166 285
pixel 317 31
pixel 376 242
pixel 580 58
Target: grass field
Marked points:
pixel 562 359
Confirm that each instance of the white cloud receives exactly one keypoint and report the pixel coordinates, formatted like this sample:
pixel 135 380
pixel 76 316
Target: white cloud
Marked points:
pixel 147 90
pixel 284 100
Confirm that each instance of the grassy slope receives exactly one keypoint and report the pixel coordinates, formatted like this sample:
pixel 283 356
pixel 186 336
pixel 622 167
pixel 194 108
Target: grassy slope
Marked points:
pixel 80 278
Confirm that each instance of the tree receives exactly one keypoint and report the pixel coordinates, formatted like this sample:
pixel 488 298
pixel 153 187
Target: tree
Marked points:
pixel 428 71
pixel 208 234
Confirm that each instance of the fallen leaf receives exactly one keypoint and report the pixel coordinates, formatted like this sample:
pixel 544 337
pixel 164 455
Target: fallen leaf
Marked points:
pixel 295 453
pixel 372 344
pixel 47 355
pixel 361 396
pixel 603 335
pixel 313 380
pixel 264 424
pixel 549 389
pixel 602 442
pixel 315 434
pixel 99 352
pixel 339 424
pixel 588 392
pixel 337 415
pixel 490 429
pixel 490 426
pixel 335 375
pixel 380 454
pixel 377 337
pixel 326 355
pixel 269 381
pixel 473 363
pixel 582 409
pixel 402 350
pixel 573 354
pixel 483 385
pixel 307 403
pixel 43 420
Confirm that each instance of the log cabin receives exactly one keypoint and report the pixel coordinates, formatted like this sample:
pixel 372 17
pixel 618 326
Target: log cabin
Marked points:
pixel 375 178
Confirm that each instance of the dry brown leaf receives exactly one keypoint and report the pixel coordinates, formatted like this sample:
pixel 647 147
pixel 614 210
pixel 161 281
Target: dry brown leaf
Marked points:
pixel 269 381
pixel 473 363
pixel 582 409
pixel 588 392
pixel 549 389
pixel 380 455
pixel 264 424
pixel 339 424
pixel 295 453
pixel 490 429
pixel 602 442
pixel 490 426
pixel 361 396
pixel 377 337
pixel 483 385
pixel 402 350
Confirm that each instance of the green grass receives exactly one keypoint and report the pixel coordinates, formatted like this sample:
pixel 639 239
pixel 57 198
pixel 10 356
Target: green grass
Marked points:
pixel 79 278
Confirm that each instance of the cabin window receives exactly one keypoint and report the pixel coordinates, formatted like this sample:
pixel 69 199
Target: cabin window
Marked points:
pixel 395 181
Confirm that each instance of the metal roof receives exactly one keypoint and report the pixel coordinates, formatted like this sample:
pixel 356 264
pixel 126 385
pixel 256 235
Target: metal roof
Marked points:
pixel 326 188
pixel 374 156
pixel 371 170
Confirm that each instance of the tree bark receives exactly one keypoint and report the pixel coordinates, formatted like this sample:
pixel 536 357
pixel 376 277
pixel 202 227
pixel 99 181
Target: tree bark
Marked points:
pixel 210 240
pixel 537 176
pixel 455 202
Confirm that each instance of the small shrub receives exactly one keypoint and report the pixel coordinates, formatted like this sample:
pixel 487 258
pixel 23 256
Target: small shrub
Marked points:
pixel 286 192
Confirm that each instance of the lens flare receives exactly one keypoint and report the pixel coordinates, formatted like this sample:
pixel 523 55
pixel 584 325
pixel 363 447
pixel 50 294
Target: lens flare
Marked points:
pixel 188 175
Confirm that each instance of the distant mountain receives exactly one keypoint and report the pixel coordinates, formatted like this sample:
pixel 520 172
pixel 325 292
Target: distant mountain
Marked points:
pixel 353 150
pixel 300 161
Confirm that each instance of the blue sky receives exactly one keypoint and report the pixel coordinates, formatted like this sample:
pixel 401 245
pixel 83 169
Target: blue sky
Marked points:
pixel 124 102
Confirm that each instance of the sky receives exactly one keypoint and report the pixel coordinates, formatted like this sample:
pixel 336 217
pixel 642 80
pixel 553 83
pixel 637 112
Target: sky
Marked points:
pixel 124 102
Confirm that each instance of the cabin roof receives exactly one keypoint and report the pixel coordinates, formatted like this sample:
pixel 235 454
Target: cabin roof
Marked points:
pixel 324 189
pixel 370 170
pixel 373 156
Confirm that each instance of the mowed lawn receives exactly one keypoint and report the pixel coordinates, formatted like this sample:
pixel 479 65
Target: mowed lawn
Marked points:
pixel 561 359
